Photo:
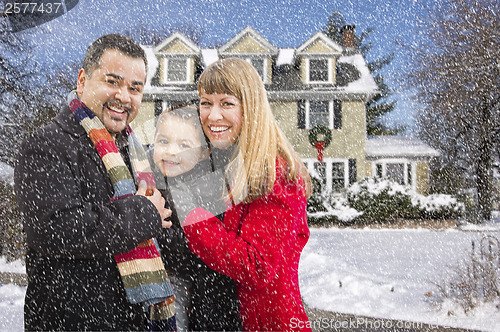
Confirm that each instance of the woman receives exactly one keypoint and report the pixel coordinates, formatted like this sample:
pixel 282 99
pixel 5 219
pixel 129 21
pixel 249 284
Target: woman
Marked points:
pixel 264 229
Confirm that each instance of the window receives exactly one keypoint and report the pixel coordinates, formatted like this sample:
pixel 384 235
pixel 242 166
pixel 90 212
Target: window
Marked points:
pixel 338 176
pixel 260 66
pixel 319 112
pixel 319 71
pixel 176 70
pixel 320 168
pixel 397 170
pixel 332 173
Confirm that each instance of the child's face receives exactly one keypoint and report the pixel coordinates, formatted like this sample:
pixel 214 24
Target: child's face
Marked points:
pixel 178 147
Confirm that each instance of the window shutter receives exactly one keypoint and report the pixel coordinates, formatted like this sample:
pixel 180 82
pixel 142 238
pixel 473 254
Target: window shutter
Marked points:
pixel 301 114
pixel 352 171
pixel 158 107
pixel 410 180
pixel 337 114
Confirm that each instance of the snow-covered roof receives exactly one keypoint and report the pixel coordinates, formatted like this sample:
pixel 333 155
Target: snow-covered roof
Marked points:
pixel 209 56
pixel 152 64
pixel 285 56
pixel 366 81
pixel 6 173
pixel 387 146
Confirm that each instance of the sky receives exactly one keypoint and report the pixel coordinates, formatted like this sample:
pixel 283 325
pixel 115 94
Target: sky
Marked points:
pixel 285 23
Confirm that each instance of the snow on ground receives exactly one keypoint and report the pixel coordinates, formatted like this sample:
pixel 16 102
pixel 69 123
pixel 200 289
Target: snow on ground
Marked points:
pixel 382 273
pixel 386 273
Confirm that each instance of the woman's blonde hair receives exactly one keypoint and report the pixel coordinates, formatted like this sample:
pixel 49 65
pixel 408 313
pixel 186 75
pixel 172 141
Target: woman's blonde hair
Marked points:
pixel 260 141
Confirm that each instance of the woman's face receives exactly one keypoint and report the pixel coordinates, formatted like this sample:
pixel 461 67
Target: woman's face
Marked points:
pixel 221 117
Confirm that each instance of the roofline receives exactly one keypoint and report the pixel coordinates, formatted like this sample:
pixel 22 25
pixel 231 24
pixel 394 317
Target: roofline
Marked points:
pixel 272 95
pixel 252 31
pixel 323 37
pixel 172 37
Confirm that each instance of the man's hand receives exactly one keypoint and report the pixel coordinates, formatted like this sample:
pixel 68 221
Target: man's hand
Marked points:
pixel 157 199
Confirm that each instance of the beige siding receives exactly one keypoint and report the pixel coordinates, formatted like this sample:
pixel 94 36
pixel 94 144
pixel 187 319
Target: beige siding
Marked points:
pixel 191 70
pixel 334 70
pixel 162 62
pixel 248 45
pixel 422 178
pixel 347 143
pixel 368 169
pixel 176 47
pixel 318 46
pixel 269 66
pixel 303 71
pixel 144 124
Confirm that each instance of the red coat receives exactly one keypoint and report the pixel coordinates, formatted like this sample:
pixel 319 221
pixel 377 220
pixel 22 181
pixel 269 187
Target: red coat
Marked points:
pixel 259 244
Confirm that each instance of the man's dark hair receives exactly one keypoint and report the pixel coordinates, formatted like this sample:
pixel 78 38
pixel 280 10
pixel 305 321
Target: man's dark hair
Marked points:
pixel 112 41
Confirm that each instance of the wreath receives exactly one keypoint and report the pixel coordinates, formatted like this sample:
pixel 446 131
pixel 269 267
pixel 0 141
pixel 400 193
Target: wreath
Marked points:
pixel 326 135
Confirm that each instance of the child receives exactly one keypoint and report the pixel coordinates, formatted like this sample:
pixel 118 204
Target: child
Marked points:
pixel 205 299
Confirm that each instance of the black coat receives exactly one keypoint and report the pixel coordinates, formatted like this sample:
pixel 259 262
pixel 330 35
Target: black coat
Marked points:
pixel 214 300
pixel 73 232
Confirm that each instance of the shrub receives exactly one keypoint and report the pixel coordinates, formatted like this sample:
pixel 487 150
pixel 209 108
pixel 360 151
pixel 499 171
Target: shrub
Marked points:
pixel 475 280
pixel 378 201
pixel 384 201
pixel 12 236
pixel 325 208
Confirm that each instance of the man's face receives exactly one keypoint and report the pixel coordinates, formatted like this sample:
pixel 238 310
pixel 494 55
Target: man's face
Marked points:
pixel 113 91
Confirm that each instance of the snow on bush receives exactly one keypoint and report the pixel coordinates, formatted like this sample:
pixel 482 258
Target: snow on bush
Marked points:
pixel 379 201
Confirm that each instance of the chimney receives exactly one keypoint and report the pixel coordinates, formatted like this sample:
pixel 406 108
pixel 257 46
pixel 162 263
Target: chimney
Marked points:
pixel 347 33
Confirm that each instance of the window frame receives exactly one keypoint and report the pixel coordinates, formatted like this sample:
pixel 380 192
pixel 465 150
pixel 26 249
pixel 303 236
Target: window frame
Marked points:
pixel 264 66
pixel 166 70
pixel 329 162
pixel 409 170
pixel 329 68
pixel 331 119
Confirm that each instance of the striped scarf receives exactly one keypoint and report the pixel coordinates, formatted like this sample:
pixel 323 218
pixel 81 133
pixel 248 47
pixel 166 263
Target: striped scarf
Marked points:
pixel 142 271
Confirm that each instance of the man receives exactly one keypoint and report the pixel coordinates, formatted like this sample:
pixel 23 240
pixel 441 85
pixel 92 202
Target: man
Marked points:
pixel 65 193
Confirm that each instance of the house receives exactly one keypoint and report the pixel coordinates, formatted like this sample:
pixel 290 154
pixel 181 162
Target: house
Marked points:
pixel 317 92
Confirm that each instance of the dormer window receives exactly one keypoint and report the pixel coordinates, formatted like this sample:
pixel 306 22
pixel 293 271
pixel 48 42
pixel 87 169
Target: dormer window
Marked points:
pixel 259 65
pixel 319 71
pixel 176 70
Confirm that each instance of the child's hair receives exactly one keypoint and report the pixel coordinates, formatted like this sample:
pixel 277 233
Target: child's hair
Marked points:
pixel 260 141
pixel 187 111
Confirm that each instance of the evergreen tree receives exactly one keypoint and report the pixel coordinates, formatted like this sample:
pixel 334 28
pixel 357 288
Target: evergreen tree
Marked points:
pixel 380 105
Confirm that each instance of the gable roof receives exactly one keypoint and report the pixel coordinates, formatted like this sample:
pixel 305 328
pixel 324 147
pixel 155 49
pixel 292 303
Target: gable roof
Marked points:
pixel 322 38
pixel 249 32
pixel 173 38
